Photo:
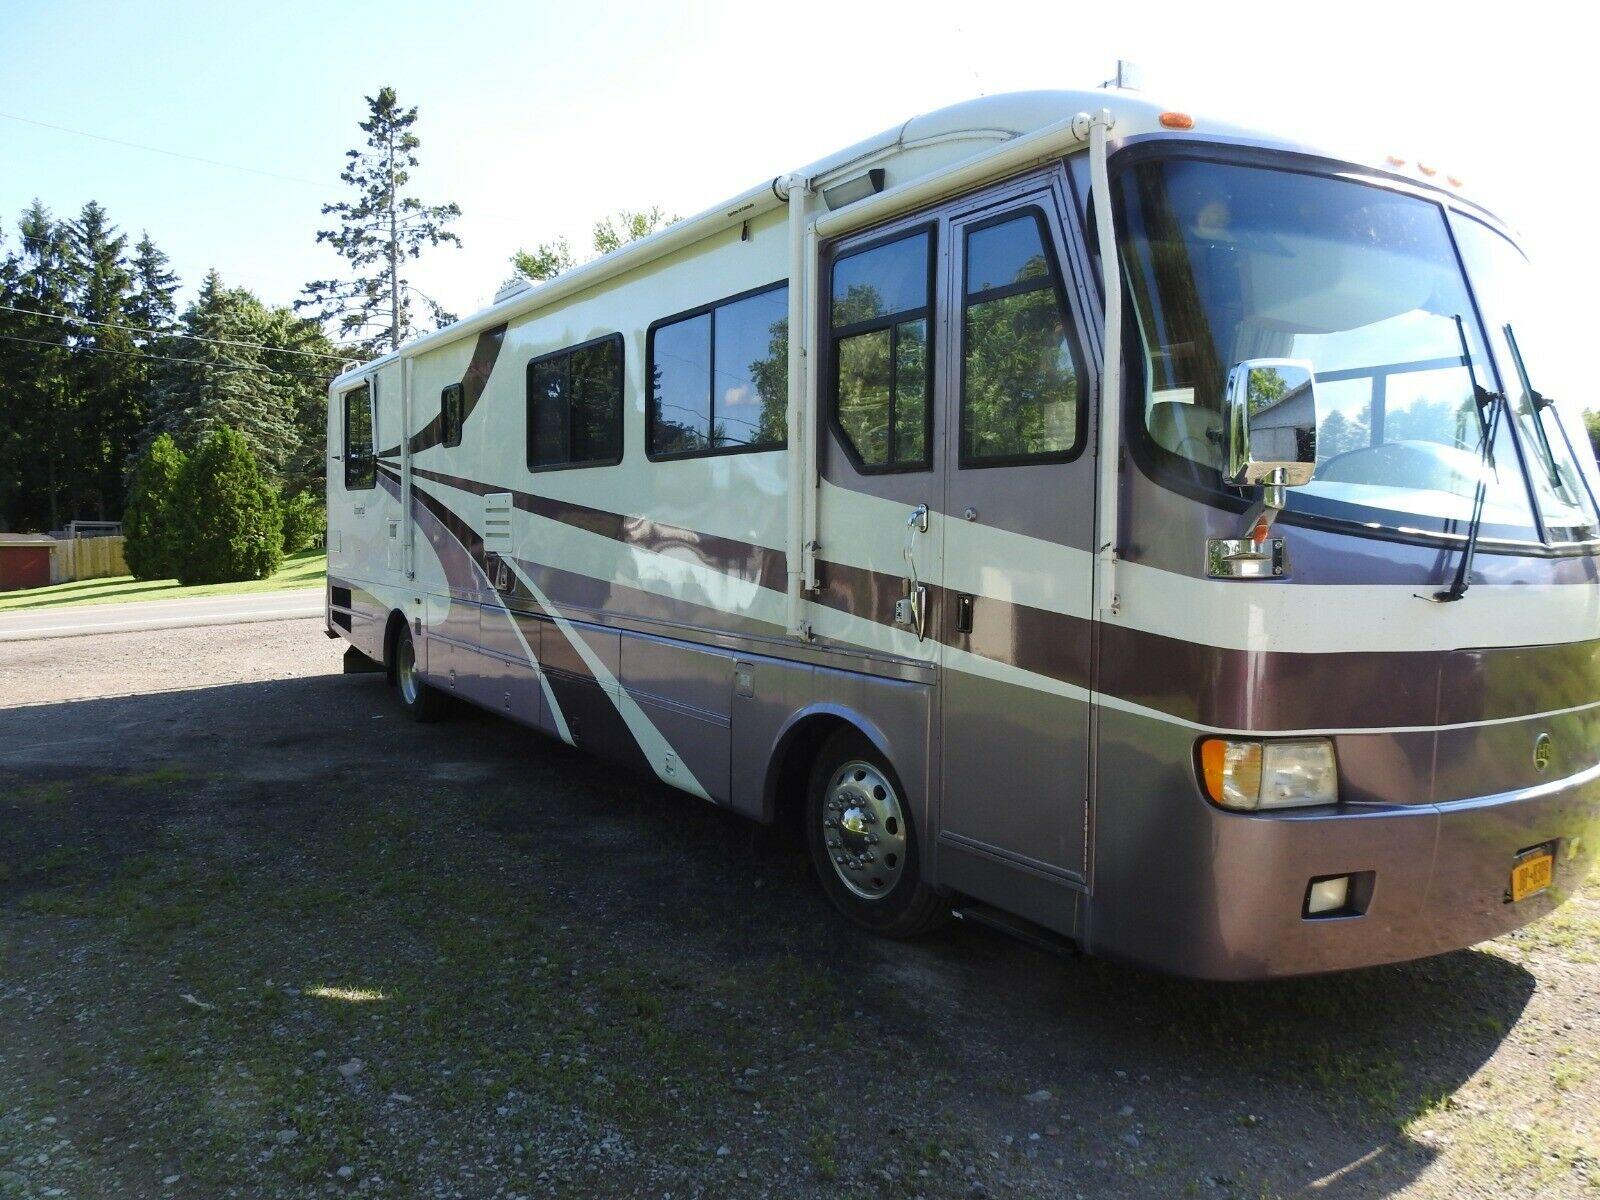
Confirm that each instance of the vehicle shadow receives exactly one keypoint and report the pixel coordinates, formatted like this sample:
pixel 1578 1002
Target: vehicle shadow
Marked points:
pixel 1138 1084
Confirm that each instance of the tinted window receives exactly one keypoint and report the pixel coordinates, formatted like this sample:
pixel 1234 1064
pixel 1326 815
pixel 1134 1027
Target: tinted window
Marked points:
pixel 575 406
pixel 751 365
pixel 719 379
pixel 360 463
pixel 881 364
pixel 881 281
pixel 451 415
pixel 680 382
pixel 1019 389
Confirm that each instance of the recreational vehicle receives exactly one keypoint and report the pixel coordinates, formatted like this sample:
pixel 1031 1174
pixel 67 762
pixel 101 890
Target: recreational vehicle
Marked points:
pixel 1060 510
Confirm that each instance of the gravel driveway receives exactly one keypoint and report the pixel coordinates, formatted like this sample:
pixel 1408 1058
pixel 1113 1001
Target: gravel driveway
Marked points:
pixel 260 936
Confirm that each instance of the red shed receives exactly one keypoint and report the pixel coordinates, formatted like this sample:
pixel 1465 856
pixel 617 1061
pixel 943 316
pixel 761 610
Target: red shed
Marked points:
pixel 25 560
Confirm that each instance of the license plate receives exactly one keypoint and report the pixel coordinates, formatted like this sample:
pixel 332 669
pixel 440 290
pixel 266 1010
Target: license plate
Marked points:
pixel 1532 874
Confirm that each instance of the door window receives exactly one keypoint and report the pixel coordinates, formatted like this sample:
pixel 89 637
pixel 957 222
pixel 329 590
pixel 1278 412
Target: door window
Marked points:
pixel 360 464
pixel 1019 369
pixel 882 371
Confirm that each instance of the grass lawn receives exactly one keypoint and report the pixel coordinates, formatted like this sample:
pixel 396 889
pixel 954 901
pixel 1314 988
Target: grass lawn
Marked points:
pixel 305 569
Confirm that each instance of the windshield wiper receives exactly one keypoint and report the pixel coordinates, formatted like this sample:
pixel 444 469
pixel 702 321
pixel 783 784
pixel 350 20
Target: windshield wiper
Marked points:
pixel 1541 402
pixel 1496 403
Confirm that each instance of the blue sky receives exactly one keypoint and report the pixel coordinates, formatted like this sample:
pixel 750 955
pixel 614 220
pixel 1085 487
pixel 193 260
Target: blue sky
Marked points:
pixel 538 117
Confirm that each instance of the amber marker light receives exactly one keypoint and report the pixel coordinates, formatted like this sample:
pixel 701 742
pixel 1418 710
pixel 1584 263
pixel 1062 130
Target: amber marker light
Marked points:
pixel 1176 120
pixel 1249 775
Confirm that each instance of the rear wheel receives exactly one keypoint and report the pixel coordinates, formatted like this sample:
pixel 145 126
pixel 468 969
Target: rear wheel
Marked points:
pixel 862 842
pixel 421 701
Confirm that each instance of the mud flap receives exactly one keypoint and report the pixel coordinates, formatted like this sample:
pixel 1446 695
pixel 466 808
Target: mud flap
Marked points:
pixel 357 663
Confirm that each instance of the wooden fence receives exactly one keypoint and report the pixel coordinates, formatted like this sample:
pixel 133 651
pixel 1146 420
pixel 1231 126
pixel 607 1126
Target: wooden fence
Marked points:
pixel 87 558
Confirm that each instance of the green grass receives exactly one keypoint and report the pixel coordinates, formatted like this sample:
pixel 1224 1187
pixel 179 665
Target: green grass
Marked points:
pixel 305 569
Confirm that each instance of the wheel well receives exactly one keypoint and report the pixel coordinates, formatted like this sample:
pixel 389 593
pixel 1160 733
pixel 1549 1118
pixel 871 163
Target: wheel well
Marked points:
pixel 391 634
pixel 791 771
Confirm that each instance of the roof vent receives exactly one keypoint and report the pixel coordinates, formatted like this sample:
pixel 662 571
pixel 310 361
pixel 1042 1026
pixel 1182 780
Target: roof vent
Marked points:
pixel 514 286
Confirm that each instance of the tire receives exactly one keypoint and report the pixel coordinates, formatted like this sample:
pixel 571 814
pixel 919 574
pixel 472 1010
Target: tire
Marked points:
pixel 862 842
pixel 421 700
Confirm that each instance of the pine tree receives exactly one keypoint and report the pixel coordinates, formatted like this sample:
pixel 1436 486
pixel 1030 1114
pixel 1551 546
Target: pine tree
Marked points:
pixel 147 520
pixel 378 232
pixel 226 383
pixel 153 305
pixel 302 382
pixel 109 382
pixel 224 516
pixel 40 457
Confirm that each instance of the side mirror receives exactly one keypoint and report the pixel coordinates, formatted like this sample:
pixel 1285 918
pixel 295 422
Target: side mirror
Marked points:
pixel 1270 420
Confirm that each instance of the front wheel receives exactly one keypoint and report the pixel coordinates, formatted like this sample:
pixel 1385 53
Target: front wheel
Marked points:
pixel 421 701
pixel 862 842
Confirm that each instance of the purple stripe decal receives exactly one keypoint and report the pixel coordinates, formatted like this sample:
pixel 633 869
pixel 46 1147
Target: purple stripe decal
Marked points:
pixel 485 353
pixel 591 715
pixel 742 560
pixel 1210 685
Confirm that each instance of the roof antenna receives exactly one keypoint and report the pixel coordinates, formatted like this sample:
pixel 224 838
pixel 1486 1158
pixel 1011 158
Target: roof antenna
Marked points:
pixel 1129 77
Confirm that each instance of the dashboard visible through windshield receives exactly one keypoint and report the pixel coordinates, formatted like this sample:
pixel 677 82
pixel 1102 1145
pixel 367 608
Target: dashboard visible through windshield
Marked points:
pixel 1229 262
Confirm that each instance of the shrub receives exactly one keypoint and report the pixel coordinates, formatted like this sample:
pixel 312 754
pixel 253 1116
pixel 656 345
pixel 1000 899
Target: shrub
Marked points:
pixel 226 518
pixel 305 522
pixel 1591 422
pixel 147 517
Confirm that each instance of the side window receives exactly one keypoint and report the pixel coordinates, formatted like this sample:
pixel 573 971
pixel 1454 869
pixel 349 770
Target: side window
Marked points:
pixel 719 377
pixel 1019 370
pixel 360 463
pixel 575 406
pixel 451 413
pixel 882 369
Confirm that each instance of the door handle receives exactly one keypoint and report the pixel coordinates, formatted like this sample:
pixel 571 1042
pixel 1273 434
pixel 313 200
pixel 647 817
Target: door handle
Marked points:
pixel 964 603
pixel 912 610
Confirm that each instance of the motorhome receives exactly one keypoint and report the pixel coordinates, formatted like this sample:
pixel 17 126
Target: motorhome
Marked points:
pixel 1090 517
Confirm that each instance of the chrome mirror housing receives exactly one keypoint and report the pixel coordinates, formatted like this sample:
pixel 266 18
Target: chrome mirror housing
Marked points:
pixel 1270 425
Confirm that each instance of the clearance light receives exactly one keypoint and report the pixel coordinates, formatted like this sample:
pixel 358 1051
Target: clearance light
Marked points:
pixel 1251 775
pixel 1176 120
pixel 1394 160
pixel 1430 172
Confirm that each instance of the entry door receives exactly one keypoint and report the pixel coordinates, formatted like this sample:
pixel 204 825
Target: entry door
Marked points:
pixel 881 504
pixel 354 492
pixel 1018 539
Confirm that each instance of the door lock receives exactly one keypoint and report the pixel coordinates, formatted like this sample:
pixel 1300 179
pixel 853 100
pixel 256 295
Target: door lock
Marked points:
pixel 964 603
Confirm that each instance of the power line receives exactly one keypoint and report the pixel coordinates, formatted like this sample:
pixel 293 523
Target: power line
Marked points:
pixel 69 319
pixel 196 362
pixel 210 162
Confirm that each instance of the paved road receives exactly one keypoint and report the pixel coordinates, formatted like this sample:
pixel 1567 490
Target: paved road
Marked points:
pixel 82 619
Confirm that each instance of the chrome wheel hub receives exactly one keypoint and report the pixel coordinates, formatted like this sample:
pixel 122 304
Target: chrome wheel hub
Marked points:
pixel 864 830
pixel 405 672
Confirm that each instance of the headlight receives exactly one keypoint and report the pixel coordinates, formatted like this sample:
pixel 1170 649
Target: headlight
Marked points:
pixel 1256 775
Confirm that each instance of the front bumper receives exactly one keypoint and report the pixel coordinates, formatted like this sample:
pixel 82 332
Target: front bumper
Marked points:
pixel 1440 878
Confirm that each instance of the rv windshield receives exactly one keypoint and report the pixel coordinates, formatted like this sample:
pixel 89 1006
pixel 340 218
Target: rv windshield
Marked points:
pixel 1227 263
pixel 1551 432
